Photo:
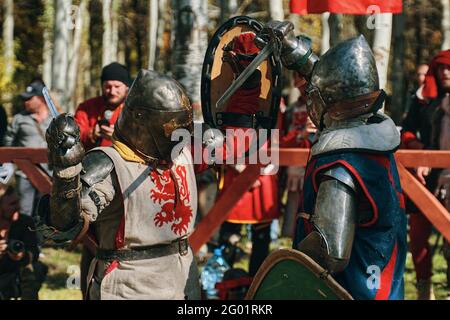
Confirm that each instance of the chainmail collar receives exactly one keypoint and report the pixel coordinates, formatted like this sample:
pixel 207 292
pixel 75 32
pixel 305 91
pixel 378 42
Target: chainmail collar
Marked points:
pixel 358 134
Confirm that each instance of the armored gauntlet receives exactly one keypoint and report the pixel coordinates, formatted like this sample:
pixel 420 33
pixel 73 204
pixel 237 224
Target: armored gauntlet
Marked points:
pixel 65 153
pixel 295 52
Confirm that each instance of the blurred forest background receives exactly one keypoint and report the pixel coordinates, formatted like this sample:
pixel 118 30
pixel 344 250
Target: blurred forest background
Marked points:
pixel 66 43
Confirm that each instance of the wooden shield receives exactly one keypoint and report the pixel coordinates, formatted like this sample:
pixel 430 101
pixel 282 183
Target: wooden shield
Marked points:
pixel 289 274
pixel 218 76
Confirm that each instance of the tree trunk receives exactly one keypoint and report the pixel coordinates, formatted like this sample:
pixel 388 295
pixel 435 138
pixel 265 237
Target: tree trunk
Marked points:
pixel 60 51
pixel 8 38
pixel 227 9
pixel 398 90
pixel 47 51
pixel 191 40
pixel 336 26
pixel 74 53
pixel 382 45
pixel 152 32
pixel 162 43
pixel 325 45
pixel 110 31
pixel 445 24
pixel 276 10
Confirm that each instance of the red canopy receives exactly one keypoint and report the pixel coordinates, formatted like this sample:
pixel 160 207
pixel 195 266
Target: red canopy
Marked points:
pixel 345 6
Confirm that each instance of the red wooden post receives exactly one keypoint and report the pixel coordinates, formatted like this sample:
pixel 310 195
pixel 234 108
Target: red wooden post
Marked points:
pixel 425 201
pixel 218 213
pixel 38 178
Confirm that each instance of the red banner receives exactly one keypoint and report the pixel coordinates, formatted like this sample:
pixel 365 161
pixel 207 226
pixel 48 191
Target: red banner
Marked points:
pixel 345 6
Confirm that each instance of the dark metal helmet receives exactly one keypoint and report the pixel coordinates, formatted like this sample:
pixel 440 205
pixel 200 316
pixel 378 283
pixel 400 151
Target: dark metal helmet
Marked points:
pixel 344 82
pixel 156 105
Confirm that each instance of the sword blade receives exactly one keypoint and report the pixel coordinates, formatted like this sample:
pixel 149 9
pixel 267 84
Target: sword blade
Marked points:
pixel 49 101
pixel 264 53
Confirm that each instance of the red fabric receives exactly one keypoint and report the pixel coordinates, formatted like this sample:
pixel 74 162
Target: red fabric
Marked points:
pixel 259 204
pixel 225 285
pixel 244 101
pixel 419 233
pixel 244 43
pixel 114 264
pixel 88 114
pixel 430 88
pixel 386 277
pixel 406 138
pixel 344 6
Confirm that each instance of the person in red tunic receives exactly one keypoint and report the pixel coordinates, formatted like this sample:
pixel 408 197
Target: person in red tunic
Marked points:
pixel 96 117
pixel 258 206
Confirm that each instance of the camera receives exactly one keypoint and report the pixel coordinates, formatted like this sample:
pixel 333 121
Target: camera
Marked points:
pixel 16 246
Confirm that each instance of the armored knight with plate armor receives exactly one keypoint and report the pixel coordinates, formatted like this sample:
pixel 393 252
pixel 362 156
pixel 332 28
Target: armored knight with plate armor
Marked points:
pixel 352 220
pixel 133 199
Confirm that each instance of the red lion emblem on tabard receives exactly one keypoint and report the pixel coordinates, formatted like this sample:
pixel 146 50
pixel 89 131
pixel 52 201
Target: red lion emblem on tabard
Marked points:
pixel 172 193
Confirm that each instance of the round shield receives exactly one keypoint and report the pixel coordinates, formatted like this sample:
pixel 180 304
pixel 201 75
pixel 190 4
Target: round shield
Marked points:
pixel 217 76
pixel 289 274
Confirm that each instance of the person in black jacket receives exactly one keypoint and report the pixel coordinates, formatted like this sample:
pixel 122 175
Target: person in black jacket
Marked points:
pixel 20 272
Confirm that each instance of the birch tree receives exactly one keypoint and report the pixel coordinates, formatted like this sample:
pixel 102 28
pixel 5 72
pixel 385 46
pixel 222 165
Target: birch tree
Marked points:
pixel 60 59
pixel 276 10
pixel 190 18
pixel 445 24
pixel 79 17
pixel 336 26
pixel 8 39
pixel 160 63
pixel 47 51
pixel 228 9
pixel 110 30
pixel 382 45
pixel 398 71
pixel 325 44
pixel 152 32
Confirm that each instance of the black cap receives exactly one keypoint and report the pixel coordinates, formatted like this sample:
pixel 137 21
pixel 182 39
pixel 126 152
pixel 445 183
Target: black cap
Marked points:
pixel 33 89
pixel 116 71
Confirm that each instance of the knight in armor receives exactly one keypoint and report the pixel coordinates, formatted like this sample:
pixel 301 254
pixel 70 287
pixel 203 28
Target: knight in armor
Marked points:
pixel 132 199
pixel 352 219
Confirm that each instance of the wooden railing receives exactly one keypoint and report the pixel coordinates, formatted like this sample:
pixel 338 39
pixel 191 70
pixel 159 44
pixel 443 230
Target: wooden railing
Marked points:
pixel 28 159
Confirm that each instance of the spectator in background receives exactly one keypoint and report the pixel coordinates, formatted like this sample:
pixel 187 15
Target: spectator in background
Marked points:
pixel 21 274
pixel 417 133
pixel 436 90
pixel 297 132
pixel 96 117
pixel 27 129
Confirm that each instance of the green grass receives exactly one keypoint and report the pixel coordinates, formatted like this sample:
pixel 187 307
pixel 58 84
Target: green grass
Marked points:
pixel 60 260
pixel 60 263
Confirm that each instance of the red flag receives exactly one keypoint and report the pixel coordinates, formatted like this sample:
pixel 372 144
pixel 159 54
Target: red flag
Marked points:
pixel 346 6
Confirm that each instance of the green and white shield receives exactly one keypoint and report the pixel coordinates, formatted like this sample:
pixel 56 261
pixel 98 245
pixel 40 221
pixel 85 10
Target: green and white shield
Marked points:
pixel 288 274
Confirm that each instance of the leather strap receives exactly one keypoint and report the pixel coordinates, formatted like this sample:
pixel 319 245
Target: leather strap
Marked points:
pixel 356 106
pixel 80 236
pixel 178 246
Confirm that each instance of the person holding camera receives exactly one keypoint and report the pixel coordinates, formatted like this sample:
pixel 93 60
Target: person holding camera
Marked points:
pixel 96 117
pixel 20 273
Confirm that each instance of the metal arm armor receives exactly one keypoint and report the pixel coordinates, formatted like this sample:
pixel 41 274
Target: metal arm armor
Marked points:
pixel 334 221
pixel 298 56
pixel 66 221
